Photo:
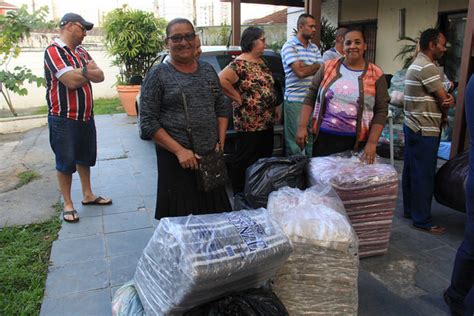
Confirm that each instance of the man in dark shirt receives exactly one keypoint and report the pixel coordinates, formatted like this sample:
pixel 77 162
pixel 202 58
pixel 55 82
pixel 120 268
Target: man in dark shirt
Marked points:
pixel 69 71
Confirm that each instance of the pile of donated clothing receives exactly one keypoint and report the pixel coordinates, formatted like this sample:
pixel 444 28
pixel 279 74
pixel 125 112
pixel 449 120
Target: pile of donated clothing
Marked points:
pixel 320 276
pixel 299 255
pixel 369 194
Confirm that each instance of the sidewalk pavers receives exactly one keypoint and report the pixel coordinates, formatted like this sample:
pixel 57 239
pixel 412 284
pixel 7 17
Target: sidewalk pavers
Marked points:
pixel 92 258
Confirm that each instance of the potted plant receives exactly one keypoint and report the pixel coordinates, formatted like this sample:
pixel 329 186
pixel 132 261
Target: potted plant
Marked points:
pixel 133 38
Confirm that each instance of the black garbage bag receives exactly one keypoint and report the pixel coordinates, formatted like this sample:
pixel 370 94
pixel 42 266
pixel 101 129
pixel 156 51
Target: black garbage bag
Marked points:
pixel 383 150
pixel 240 203
pixel 252 302
pixel 269 174
pixel 450 182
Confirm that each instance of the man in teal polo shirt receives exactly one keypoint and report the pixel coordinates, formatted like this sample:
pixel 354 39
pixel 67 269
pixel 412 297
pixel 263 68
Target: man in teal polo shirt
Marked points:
pixel 301 60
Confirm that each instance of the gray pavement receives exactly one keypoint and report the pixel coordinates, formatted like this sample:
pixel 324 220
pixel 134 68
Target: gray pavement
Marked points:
pixel 31 203
pixel 91 259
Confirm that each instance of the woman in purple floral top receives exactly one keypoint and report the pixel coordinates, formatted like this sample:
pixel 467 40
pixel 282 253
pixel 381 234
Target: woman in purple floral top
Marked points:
pixel 249 83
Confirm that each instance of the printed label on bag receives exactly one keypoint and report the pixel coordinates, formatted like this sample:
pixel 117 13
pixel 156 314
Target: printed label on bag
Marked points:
pixel 229 250
pixel 251 232
pixel 206 242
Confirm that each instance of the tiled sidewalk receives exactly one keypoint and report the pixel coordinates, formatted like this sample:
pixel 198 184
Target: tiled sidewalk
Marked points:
pixel 91 259
pixel 94 257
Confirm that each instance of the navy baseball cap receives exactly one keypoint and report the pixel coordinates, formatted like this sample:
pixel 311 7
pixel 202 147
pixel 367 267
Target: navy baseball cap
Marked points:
pixel 73 17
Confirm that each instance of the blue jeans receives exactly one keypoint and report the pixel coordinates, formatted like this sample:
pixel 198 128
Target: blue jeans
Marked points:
pixel 421 154
pixel 462 280
pixel 73 143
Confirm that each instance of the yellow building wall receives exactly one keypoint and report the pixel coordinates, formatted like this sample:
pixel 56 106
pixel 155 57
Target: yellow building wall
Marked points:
pixel 453 5
pixel 357 10
pixel 420 15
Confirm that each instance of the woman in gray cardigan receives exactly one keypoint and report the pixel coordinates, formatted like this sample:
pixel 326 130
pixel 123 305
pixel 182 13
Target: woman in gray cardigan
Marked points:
pixel 162 118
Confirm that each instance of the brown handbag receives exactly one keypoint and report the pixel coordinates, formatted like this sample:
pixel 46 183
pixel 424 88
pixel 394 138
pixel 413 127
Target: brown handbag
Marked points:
pixel 212 172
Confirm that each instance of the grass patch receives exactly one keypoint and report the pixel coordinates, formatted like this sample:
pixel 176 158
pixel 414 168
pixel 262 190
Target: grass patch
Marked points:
pixel 107 106
pixel 41 110
pixel 24 260
pixel 26 177
pixel 101 106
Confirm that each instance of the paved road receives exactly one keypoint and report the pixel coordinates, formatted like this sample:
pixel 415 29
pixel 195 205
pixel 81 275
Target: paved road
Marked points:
pixel 91 259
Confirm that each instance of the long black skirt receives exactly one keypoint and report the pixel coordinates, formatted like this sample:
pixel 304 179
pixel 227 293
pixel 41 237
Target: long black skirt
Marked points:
pixel 177 190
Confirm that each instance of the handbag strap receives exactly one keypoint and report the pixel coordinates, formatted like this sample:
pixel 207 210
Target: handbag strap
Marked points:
pixel 185 106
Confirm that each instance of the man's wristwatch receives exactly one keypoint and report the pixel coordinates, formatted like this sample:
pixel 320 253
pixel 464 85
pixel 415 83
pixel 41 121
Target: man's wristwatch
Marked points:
pixel 84 71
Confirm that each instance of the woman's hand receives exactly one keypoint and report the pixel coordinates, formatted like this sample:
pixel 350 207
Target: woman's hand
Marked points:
pixel 219 147
pixel 238 99
pixel 187 159
pixel 369 153
pixel 302 137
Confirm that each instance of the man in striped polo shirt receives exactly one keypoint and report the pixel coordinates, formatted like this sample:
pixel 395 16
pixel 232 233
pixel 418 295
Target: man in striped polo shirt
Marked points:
pixel 425 99
pixel 301 60
pixel 69 71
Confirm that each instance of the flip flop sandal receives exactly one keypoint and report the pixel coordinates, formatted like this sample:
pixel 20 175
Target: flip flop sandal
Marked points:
pixel 434 230
pixel 99 201
pixel 70 213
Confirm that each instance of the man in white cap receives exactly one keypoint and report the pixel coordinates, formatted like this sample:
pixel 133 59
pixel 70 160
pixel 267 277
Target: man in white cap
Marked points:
pixel 69 72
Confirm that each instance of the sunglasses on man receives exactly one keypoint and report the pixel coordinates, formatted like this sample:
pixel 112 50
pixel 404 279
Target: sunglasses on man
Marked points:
pixel 81 27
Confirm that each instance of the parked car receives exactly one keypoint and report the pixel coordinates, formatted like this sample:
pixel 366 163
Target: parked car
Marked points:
pixel 219 57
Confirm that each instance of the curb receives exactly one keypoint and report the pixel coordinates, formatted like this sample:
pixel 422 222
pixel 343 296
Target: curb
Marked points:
pixel 23 123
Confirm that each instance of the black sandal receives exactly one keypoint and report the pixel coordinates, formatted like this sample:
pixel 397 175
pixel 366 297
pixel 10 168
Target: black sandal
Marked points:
pixel 72 213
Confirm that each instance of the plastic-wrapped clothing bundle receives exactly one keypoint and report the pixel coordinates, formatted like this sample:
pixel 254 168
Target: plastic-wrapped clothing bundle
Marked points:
pixel 369 194
pixel 192 260
pixel 251 302
pixel 269 174
pixel 397 83
pixel 320 277
pixel 126 301
pixel 383 147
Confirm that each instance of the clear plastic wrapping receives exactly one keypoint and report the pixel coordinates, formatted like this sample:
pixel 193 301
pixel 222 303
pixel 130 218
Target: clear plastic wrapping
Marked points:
pixel 195 259
pixel 349 173
pixel 126 301
pixel 369 194
pixel 320 276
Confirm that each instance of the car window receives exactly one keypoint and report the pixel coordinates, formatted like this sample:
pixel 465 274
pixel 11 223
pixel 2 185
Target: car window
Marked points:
pixel 274 62
pixel 218 62
pixel 211 60
pixel 224 60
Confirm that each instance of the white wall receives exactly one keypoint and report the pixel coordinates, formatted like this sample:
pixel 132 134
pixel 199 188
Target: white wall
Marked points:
pixel 357 10
pixel 453 5
pixel 36 96
pixel 293 14
pixel 329 10
pixel 420 15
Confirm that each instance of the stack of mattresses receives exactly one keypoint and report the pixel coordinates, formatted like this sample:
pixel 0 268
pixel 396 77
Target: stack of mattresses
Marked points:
pixel 196 259
pixel 369 194
pixel 320 276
